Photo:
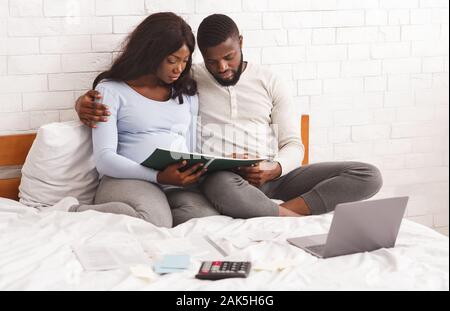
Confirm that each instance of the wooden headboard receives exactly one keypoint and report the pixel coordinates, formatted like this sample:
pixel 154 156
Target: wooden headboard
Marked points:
pixel 14 150
pixel 304 132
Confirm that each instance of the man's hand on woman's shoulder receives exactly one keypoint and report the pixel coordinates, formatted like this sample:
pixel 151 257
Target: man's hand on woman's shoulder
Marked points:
pixel 89 110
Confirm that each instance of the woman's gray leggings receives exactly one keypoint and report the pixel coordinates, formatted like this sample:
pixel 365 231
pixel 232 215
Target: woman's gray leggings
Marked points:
pixel 136 198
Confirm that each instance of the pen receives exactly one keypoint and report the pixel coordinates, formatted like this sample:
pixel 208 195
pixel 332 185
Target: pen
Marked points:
pixel 208 164
pixel 217 247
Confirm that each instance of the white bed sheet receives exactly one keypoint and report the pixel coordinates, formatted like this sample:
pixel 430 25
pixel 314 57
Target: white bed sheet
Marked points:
pixel 36 254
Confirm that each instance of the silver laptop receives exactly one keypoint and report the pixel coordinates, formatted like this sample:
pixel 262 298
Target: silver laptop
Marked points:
pixel 356 227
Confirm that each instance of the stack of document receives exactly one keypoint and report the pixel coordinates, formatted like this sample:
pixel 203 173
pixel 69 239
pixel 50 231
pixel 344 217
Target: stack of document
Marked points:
pixel 95 257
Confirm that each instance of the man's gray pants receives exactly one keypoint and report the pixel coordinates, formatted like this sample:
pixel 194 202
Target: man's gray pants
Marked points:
pixel 322 186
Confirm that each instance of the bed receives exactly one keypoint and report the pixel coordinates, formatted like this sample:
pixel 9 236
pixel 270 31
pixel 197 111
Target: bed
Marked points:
pixel 37 250
pixel 36 254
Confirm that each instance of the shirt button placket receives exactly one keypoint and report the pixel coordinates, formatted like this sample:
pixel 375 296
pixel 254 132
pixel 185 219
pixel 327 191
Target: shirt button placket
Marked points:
pixel 233 101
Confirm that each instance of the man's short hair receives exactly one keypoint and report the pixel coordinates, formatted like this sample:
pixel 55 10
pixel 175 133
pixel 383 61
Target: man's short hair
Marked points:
pixel 214 30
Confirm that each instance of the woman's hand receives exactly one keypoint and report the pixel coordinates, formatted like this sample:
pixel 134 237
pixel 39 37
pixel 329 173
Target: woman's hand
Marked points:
pixel 171 175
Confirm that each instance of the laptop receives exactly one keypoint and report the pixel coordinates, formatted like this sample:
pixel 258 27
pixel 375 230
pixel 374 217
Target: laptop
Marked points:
pixel 357 227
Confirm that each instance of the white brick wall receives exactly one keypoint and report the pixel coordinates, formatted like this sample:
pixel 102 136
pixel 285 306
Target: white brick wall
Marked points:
pixel 62 8
pixel 373 74
pixel 65 44
pixel 25 8
pixel 2 65
pixel 30 64
pixel 86 62
pixel 119 7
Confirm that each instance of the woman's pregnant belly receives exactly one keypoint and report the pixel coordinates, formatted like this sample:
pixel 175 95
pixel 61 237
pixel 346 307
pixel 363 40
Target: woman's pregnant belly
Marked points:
pixel 140 146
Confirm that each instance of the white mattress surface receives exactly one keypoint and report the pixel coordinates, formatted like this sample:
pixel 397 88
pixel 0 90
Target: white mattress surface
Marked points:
pixel 36 253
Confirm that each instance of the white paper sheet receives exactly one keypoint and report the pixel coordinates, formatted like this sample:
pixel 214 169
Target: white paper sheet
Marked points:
pixel 196 246
pixel 97 257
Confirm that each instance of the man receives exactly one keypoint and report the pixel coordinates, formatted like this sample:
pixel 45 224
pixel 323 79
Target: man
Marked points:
pixel 244 109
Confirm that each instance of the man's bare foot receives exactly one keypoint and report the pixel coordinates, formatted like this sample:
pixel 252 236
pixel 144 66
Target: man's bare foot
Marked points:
pixel 298 206
pixel 286 212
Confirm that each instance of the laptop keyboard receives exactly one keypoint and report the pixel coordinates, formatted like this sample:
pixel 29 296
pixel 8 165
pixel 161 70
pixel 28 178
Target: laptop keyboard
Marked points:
pixel 317 248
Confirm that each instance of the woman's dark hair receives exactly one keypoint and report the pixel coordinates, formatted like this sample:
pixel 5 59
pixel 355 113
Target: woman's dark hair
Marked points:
pixel 158 36
pixel 215 29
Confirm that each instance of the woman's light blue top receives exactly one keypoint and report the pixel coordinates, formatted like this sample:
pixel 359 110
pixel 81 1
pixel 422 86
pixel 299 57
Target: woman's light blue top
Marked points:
pixel 136 127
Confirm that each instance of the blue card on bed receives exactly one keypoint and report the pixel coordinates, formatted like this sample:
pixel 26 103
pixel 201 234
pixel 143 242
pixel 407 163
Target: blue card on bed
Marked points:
pixel 172 263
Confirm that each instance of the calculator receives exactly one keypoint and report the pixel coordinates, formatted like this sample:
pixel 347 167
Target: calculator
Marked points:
pixel 216 270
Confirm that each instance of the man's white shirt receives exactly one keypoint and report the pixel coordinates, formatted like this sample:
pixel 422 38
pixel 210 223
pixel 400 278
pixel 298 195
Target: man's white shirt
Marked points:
pixel 255 116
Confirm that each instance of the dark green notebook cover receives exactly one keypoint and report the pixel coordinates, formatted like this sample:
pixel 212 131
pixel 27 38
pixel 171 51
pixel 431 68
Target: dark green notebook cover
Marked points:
pixel 161 158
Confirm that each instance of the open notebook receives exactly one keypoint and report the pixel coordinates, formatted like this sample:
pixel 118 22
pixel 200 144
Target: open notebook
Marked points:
pixel 161 158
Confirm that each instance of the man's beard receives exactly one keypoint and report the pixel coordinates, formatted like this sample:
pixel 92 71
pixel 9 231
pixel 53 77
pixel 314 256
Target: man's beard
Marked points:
pixel 237 75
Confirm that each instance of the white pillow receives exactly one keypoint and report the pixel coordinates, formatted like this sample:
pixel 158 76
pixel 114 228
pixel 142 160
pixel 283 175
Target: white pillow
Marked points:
pixel 60 163
pixel 4 202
